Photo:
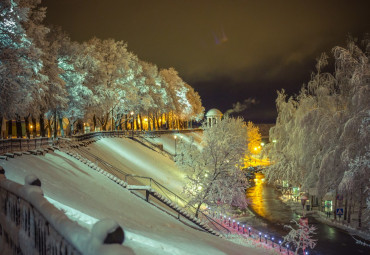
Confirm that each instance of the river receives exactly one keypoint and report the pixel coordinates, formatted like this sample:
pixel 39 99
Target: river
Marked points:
pixel 274 214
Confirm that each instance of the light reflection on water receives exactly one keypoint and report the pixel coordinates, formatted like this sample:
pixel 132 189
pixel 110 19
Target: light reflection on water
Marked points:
pixel 255 194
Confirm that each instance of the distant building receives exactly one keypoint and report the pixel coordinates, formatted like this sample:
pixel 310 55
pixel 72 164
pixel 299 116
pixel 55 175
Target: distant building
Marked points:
pixel 213 116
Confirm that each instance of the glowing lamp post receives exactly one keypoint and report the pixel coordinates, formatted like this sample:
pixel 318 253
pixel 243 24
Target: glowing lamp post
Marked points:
pixel 249 231
pixel 280 245
pixel 287 248
pixel 243 229
pixel 266 239
pixel 31 127
pixel 272 241
pixel 260 236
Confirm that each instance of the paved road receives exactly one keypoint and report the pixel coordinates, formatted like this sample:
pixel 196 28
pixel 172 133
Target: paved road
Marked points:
pixel 275 215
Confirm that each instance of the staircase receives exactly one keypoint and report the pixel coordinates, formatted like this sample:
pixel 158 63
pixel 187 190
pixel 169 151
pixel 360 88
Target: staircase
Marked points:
pixel 154 189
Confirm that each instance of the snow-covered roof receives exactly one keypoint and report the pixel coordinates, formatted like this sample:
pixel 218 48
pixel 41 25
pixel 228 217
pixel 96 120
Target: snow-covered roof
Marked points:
pixel 214 113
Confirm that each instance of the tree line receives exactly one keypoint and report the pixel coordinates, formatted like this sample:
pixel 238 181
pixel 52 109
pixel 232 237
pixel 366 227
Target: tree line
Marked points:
pixel 322 134
pixel 47 78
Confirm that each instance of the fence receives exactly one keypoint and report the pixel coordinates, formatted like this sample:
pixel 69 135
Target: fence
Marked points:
pixel 24 144
pixel 29 224
pixel 128 133
pixel 148 181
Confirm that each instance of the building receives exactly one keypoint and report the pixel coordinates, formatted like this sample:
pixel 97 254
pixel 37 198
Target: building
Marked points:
pixel 213 116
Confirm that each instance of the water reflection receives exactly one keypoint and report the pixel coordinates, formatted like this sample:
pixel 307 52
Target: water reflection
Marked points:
pixel 266 202
pixel 255 195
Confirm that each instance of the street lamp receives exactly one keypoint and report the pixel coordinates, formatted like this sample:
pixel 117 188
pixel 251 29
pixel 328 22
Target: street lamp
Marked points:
pixel 272 241
pixel 260 236
pixel 280 245
pixel 31 131
pixel 287 248
pixel 266 239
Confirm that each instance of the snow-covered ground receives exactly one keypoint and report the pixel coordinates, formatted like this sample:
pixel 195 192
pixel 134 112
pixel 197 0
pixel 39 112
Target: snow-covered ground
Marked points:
pixel 87 196
pixel 168 140
pixel 134 158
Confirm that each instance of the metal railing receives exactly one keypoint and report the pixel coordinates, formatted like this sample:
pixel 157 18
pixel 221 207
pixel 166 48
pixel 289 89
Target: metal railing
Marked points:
pixel 24 144
pixel 173 197
pixel 37 235
pixel 128 133
pixel 29 224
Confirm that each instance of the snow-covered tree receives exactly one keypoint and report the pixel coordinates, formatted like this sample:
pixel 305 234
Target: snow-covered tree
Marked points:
pixel 253 138
pixel 301 237
pixel 321 135
pixel 213 175
pixel 20 64
pixel 77 67
pixel 111 81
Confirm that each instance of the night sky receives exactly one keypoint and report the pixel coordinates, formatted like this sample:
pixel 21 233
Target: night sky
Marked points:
pixel 228 50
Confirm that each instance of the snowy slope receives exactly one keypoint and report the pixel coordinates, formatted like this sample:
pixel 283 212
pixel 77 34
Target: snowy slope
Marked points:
pixel 134 158
pixel 168 140
pixel 93 196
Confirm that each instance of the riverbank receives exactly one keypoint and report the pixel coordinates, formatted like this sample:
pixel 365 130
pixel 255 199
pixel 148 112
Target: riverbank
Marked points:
pixel 329 220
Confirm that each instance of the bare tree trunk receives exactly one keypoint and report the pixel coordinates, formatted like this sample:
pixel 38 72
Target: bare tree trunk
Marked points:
pixel 61 126
pixel 1 126
pixel 126 122
pixel 137 121
pixel 72 124
pixel 345 207
pixel 350 208
pixel 10 128
pixel 27 124
pixel 141 122
pixel 197 211
pixel 42 125
pixel 153 121
pixel 360 205
pixel 34 132
pixel 335 205
pixel 149 127
pixel 48 127
pixel 167 120
pixel 55 124
pixel 18 124
pixel 94 122
pixel 112 121
pixel 157 121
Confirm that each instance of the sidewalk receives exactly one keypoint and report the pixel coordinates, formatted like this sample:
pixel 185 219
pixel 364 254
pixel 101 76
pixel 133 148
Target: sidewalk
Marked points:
pixel 323 218
pixel 248 236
